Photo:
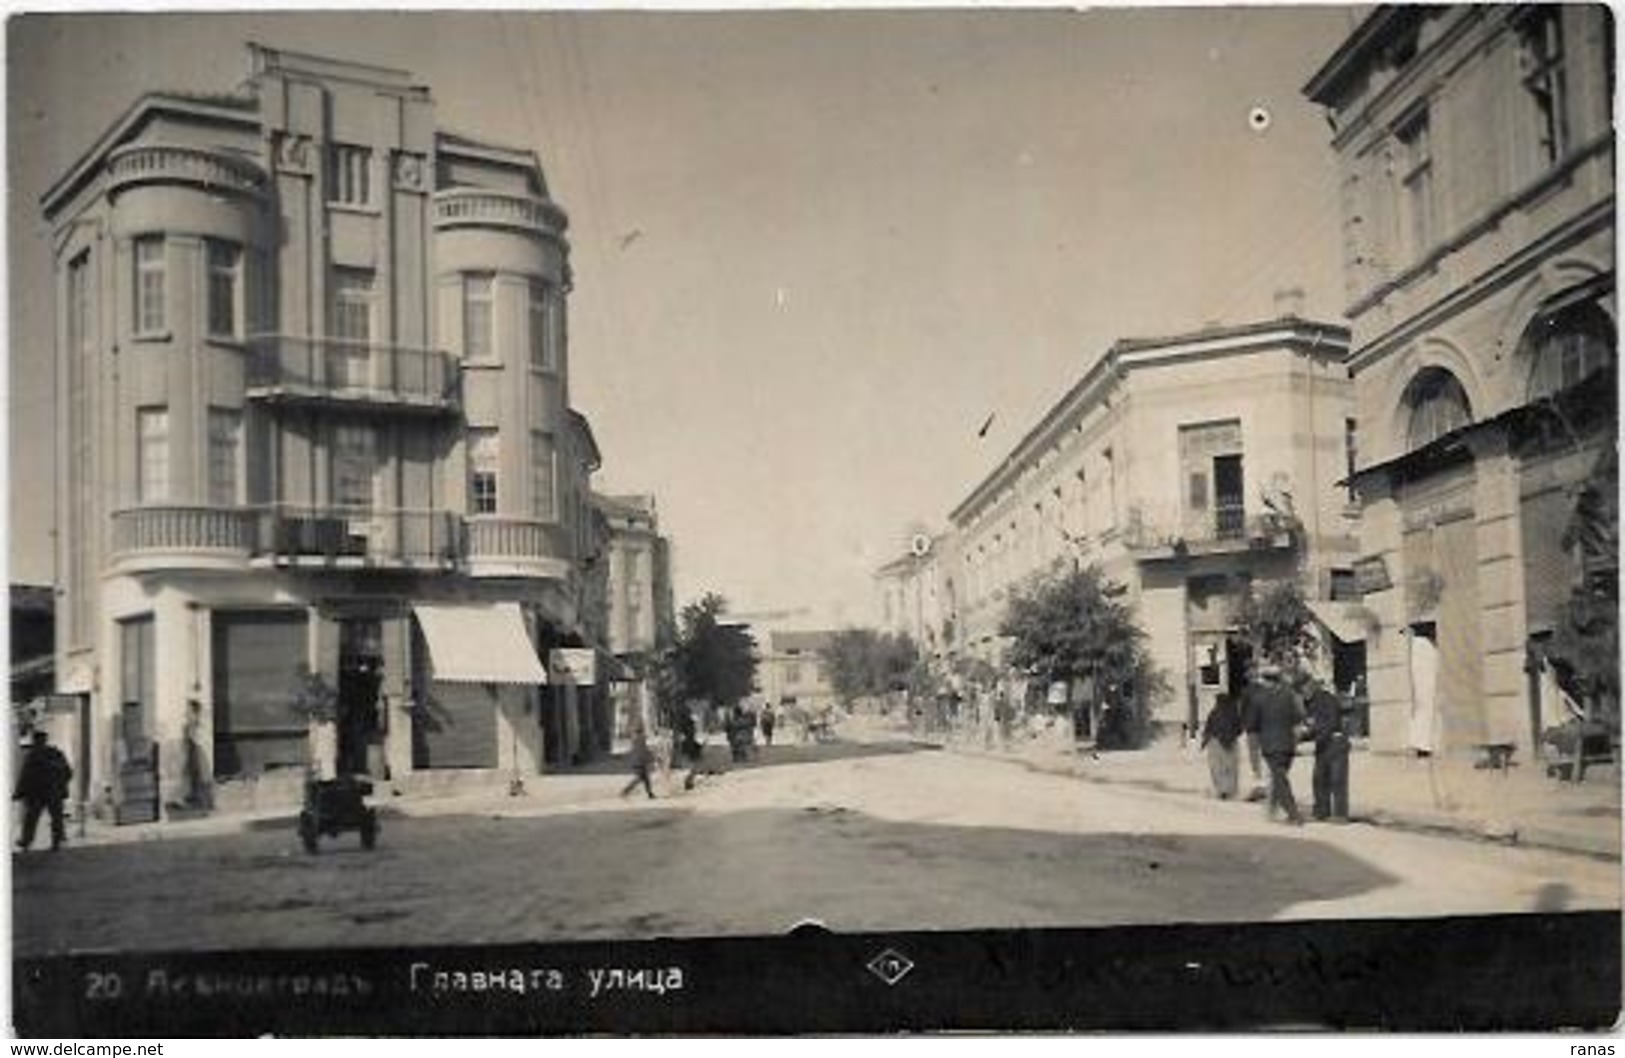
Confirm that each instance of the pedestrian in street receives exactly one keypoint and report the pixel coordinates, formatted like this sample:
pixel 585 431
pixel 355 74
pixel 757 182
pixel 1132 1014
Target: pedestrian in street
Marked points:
pixel 768 723
pixel 1220 733
pixel 1280 722
pixel 42 785
pixel 642 759
pixel 1249 738
pixel 686 746
pixel 1331 774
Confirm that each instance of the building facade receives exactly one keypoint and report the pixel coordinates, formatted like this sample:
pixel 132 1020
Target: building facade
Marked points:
pixel 1186 468
pixel 911 595
pixel 1475 146
pixel 791 671
pixel 319 458
pixel 640 609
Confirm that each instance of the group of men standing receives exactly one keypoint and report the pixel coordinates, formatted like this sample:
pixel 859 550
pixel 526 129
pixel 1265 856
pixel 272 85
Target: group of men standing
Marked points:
pixel 1271 719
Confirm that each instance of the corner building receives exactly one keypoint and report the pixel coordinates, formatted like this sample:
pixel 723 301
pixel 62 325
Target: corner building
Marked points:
pixel 1476 153
pixel 1188 468
pixel 313 417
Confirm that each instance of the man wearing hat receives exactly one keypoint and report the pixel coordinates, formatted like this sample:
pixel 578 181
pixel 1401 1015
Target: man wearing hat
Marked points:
pixel 1279 717
pixel 42 786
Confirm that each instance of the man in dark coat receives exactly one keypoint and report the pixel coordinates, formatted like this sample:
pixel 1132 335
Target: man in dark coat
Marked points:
pixel 42 784
pixel 1331 775
pixel 642 759
pixel 1276 711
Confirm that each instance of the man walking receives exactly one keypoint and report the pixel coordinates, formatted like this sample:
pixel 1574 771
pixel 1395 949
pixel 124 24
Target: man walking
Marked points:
pixel 42 785
pixel 642 760
pixel 1278 716
pixel 1331 775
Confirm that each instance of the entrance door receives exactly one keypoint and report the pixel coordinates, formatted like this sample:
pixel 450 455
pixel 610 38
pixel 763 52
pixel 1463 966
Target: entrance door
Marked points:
pixel 1238 666
pixel 361 666
pixel 137 687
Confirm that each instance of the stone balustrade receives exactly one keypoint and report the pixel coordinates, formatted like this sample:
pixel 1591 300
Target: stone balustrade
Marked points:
pixel 472 207
pixel 183 529
pixel 149 163
pixel 491 536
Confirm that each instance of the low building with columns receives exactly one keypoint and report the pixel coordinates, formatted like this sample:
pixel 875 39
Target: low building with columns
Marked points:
pixel 323 501
pixel 1476 148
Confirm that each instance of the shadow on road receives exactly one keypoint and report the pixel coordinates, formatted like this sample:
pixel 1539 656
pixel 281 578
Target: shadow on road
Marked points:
pixel 656 871
pixel 717 756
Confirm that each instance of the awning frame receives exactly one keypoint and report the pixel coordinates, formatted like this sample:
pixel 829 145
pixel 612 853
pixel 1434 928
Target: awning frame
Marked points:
pixel 479 643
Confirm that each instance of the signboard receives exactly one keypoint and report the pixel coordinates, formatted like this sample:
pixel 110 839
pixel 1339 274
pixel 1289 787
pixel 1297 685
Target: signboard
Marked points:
pixel 576 665
pixel 1372 575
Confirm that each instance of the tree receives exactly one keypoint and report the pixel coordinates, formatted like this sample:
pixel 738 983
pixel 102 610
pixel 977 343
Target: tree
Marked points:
pixel 863 663
pixel 1278 625
pixel 1586 640
pixel 1074 626
pixel 711 659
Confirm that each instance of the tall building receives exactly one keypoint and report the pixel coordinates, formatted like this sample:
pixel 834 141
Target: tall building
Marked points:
pixel 1476 151
pixel 319 457
pixel 1187 468
pixel 640 614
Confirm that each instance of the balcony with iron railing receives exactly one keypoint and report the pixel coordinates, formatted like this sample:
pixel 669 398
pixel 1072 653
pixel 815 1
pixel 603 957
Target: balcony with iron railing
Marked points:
pixel 358 538
pixel 285 368
pixel 1152 532
pixel 500 546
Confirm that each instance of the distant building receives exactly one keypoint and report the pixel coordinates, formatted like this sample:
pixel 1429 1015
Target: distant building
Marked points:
pixel 313 414
pixel 913 594
pixel 1187 468
pixel 1476 152
pixel 640 617
pixel 791 671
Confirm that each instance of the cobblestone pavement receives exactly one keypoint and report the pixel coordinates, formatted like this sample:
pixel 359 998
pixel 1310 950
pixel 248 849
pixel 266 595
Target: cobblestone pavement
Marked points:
pixel 888 837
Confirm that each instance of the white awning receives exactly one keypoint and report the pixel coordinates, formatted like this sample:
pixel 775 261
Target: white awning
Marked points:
pixel 1338 620
pixel 479 643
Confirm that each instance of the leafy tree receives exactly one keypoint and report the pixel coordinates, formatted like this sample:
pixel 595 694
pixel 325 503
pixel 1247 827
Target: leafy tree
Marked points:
pixel 846 659
pixel 1074 626
pixel 1277 623
pixel 710 659
pixel 1586 640
pixel 863 662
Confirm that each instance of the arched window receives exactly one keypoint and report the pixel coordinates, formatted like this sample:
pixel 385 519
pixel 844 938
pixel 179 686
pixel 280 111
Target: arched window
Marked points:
pixel 1438 404
pixel 1565 347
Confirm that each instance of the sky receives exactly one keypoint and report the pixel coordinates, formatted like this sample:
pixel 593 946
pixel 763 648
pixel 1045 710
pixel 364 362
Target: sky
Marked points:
pixel 813 251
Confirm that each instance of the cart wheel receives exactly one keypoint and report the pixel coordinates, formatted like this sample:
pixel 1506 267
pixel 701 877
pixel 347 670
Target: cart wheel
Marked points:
pixel 307 831
pixel 369 830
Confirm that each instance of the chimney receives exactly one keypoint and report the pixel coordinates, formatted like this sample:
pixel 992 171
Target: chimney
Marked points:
pixel 1289 302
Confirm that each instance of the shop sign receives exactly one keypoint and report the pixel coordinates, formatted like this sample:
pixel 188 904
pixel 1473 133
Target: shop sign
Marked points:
pixel 1372 574
pixel 576 665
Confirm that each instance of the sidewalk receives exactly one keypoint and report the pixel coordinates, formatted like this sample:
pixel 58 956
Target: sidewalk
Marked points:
pixel 1517 806
pixel 543 793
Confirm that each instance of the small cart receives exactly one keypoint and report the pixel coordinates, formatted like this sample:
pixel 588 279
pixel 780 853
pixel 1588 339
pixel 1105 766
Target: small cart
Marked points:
pixel 333 806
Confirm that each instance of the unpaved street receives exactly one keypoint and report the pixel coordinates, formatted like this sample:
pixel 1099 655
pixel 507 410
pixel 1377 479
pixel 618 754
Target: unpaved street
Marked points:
pixel 859 836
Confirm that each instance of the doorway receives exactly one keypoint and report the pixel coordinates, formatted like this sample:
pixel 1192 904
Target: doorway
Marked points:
pixel 361 670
